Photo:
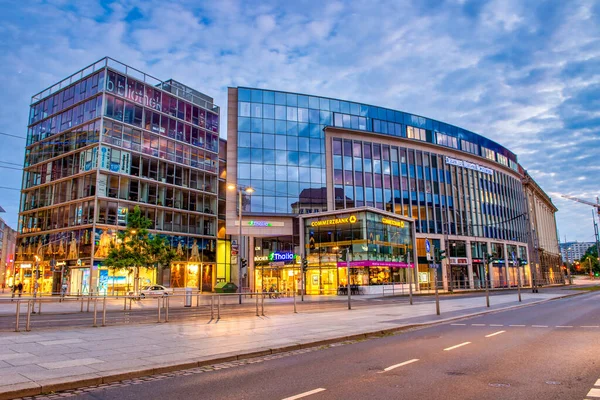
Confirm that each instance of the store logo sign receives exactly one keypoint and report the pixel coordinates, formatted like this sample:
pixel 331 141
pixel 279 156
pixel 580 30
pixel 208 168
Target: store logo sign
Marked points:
pixel 469 165
pixel 281 256
pixel 261 224
pixel 393 222
pixel 334 221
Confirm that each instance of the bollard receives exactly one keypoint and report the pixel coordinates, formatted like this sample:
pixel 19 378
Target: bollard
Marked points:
pixel 262 305
pixel 218 307
pixel 125 303
pixel 81 310
pixel 95 312
pixel 212 307
pixel 167 309
pixel 158 303
pixel 257 304
pixel 295 312
pixel 130 303
pixel 519 283
pixel 27 324
pixel 40 305
pixel 410 294
pixel 18 315
pixel 88 302
pixel 198 300
pixel 104 311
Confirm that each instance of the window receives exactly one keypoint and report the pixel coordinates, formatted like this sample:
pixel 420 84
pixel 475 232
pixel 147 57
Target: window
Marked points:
pixel 489 154
pixel 416 133
pixel 469 147
pixel 503 160
pixel 446 140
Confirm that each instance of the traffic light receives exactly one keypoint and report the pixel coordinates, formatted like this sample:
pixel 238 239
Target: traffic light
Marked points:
pixel 304 264
pixel 244 263
pixel 441 254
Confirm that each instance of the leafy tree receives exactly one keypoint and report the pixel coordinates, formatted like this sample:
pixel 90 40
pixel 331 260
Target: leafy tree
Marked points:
pixel 135 249
pixel 590 256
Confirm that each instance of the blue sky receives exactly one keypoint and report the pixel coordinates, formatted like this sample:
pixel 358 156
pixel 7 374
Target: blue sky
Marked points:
pixel 524 73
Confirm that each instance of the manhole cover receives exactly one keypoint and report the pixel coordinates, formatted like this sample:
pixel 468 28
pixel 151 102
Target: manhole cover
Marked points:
pixel 553 383
pixel 499 384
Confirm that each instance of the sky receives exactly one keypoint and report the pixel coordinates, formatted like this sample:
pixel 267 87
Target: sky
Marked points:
pixel 523 73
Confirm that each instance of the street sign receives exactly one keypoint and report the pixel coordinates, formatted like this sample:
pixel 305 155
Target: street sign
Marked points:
pixel 427 246
pixel 234 252
pixel 434 265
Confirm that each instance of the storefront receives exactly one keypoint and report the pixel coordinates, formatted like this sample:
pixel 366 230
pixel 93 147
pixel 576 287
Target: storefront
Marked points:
pixel 380 248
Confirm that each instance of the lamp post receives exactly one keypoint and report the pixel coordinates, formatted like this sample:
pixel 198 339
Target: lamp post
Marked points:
pixel 239 190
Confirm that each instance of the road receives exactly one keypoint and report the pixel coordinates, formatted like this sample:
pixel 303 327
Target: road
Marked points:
pixel 146 311
pixel 545 351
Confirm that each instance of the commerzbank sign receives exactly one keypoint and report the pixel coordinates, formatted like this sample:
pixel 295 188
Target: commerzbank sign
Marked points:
pixel 334 221
pixel 469 165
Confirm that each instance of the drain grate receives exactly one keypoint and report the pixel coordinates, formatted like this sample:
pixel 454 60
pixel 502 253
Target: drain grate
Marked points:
pixel 500 385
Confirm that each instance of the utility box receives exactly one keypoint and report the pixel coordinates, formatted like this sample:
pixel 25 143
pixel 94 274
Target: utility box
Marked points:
pixel 188 297
pixel 225 287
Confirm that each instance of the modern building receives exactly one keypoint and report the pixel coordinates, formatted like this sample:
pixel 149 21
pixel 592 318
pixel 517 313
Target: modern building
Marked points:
pixel 100 142
pixel 8 240
pixel 304 154
pixel 573 251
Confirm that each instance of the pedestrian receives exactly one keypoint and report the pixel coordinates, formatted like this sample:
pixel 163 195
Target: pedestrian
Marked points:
pixel 20 287
pixel 13 289
pixel 63 290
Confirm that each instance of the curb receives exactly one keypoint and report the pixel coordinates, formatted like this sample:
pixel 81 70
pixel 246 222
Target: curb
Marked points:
pixel 28 389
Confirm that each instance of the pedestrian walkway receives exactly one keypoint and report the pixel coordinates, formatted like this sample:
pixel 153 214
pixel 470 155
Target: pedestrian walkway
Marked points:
pixel 43 361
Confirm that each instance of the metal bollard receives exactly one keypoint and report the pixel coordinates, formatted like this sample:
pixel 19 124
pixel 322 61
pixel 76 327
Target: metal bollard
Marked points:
pixel 18 315
pixel 40 305
pixel 257 304
pixel 125 303
pixel 262 312
pixel 81 310
pixel 167 309
pixel 130 303
pixel 95 313
pixel 198 300
pixel 158 303
pixel 104 311
pixel 27 324
pixel 295 312
pixel 218 307
pixel 88 302
pixel 212 307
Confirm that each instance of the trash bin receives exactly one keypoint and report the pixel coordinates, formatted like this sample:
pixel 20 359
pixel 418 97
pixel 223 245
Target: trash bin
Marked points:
pixel 223 287
pixel 188 297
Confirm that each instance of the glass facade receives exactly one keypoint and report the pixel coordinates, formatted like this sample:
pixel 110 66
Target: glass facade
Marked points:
pixel 101 142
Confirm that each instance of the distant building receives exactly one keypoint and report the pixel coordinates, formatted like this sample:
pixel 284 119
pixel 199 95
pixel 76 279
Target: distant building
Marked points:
pixel 8 239
pixel 572 251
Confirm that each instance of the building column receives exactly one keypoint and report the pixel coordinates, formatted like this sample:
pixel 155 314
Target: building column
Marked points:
pixel 445 265
pixel 505 251
pixel 489 267
pixel 251 273
pixel 470 265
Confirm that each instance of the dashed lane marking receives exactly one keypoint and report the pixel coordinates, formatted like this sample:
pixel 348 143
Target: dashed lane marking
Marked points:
pixel 458 324
pixel 597 383
pixel 539 326
pixel 399 365
pixel 457 346
pixel 495 333
pixel 590 326
pixel 564 326
pixel 517 325
pixel 305 394
pixel 594 393
pixel 496 325
pixel 477 324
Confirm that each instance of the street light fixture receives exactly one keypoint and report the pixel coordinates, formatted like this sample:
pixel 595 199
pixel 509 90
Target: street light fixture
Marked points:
pixel 248 190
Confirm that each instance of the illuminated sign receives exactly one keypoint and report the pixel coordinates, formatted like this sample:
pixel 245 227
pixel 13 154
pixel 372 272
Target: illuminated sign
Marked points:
pixel 259 223
pixel 351 219
pixel 470 165
pixel 261 258
pixel 277 256
pixel 393 222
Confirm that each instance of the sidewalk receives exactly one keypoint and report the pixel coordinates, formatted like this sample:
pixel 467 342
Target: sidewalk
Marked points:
pixel 34 363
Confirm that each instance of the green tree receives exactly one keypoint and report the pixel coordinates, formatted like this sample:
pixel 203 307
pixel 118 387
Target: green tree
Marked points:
pixel 590 257
pixel 135 249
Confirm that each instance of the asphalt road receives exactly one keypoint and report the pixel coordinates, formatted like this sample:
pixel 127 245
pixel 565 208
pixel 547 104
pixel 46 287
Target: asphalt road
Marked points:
pixel 545 351
pixel 65 320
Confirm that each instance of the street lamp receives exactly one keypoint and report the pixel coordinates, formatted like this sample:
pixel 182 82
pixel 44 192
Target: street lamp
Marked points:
pixel 248 190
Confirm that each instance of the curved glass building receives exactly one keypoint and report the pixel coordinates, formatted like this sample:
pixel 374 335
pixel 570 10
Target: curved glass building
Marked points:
pixel 305 154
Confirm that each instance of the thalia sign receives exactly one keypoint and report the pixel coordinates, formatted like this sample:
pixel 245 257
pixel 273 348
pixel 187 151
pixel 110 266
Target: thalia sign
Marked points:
pixel 277 256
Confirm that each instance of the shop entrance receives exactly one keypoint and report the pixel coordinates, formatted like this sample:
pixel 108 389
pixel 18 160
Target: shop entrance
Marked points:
pixel 459 277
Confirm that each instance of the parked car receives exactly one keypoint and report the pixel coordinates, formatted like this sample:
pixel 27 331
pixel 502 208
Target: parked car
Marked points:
pixel 153 291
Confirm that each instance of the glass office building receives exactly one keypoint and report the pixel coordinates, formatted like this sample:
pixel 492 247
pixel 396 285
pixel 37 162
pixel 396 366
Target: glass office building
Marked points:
pixel 102 141
pixel 304 154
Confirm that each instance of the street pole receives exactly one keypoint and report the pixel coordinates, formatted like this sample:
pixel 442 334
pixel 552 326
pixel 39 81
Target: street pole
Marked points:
pixel 348 275
pixel 410 272
pixel 302 276
pixel 485 280
pixel 240 243
pixel 519 281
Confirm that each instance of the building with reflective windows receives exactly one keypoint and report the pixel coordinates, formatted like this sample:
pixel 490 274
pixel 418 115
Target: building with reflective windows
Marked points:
pixel 100 142
pixel 306 154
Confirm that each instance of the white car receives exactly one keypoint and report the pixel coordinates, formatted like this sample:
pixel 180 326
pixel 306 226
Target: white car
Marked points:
pixel 154 290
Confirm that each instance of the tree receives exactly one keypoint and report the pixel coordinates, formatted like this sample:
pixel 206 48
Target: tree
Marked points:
pixel 590 257
pixel 135 249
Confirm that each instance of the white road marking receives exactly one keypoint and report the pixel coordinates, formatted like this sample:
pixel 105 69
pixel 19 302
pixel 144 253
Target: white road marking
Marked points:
pixel 516 325
pixel 564 326
pixel 496 325
pixel 305 394
pixel 458 324
pixel 539 326
pixel 477 324
pixel 594 393
pixel 597 383
pixel 399 365
pixel 457 346
pixel 590 326
pixel 495 333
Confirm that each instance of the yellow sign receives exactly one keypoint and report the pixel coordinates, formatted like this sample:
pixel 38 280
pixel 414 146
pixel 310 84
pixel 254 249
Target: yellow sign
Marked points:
pixel 393 222
pixel 351 219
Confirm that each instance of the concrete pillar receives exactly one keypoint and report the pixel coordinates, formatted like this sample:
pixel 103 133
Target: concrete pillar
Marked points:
pixel 470 265
pixel 251 274
pixel 507 267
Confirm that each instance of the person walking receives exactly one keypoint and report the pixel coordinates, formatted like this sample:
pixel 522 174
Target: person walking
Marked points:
pixel 14 290
pixel 20 287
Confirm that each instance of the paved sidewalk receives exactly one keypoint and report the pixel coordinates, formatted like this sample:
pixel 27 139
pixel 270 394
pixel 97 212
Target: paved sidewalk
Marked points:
pixel 41 361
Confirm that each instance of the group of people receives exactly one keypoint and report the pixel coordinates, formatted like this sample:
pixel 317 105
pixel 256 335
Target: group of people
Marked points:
pixel 17 287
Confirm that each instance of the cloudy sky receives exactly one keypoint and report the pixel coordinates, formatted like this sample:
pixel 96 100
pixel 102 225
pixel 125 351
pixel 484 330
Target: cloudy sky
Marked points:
pixel 524 73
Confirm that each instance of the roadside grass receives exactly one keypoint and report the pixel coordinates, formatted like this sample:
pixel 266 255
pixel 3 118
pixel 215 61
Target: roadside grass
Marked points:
pixel 595 288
